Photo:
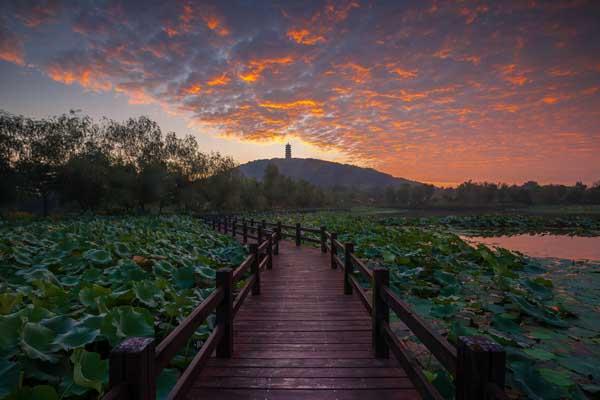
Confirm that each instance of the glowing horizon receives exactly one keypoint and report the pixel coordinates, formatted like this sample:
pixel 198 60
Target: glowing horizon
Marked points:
pixel 432 91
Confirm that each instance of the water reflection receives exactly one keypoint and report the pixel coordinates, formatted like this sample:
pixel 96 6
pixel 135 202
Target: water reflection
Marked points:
pixel 559 246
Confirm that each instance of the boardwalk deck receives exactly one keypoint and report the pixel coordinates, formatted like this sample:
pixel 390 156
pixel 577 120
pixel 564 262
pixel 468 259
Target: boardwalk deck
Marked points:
pixel 302 338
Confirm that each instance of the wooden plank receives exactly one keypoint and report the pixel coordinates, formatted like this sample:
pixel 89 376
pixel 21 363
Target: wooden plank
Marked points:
pixel 271 372
pixel 302 363
pixel 262 394
pixel 304 354
pixel 302 383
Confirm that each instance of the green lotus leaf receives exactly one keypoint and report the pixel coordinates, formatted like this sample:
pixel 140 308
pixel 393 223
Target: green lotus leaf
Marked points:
pixel 122 250
pixel 532 384
pixel 94 296
pixel 44 392
pixel 9 377
pixel 539 354
pixel 206 273
pixel 165 382
pixel 536 312
pixel 60 324
pixel 77 337
pixel 8 301
pixel 37 341
pixel 98 256
pixel 10 326
pixel 184 277
pixel 506 325
pixel 556 377
pixel 130 321
pixel 585 366
pixel 89 370
pixel 37 273
pixel 147 292
pixel 443 310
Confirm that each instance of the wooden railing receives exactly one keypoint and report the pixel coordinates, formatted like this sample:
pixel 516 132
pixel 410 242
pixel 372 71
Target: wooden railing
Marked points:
pixel 477 363
pixel 249 228
pixel 135 364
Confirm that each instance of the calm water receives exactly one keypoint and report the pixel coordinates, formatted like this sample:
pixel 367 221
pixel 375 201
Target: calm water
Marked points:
pixel 559 246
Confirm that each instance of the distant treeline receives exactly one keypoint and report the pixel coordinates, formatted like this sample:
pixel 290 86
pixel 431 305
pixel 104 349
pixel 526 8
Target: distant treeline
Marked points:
pixel 470 194
pixel 71 162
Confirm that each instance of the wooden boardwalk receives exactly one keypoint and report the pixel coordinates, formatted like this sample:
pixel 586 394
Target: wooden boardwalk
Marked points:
pixel 302 338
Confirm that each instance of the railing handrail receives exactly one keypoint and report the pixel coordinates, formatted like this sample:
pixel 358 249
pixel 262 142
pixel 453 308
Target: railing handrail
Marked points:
pixel 443 351
pixel 171 344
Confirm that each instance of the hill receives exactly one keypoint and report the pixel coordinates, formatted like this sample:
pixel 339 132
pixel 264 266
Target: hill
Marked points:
pixel 324 173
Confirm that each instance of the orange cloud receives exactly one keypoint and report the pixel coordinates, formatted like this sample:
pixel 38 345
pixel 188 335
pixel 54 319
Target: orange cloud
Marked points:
pixel 35 15
pixel 192 90
pixel 220 80
pixel 511 74
pixel 11 47
pixel 255 68
pixel 471 14
pixel 355 72
pixel 512 108
pixel 560 72
pixel 136 94
pixel 12 53
pixel 404 73
pixel 314 106
pixel 550 100
pixel 304 36
pixel 215 24
pixel 314 30
pixel 83 75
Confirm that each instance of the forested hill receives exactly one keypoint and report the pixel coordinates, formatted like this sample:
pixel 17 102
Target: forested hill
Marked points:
pixel 324 173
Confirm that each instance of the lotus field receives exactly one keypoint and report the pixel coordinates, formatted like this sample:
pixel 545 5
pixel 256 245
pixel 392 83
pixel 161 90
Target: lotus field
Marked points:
pixel 545 312
pixel 71 290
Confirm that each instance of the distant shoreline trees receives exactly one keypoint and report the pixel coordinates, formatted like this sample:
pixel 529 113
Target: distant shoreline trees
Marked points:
pixel 75 163
pixel 70 162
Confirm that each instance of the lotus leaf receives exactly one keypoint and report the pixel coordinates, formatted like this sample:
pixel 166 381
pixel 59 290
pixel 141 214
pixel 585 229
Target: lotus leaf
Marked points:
pixel 9 377
pixel 89 370
pixel 98 256
pixel 37 341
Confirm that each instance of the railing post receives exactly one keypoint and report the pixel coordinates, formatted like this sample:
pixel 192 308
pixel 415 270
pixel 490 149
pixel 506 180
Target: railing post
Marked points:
pixel 333 250
pixel 270 252
pixel 259 235
pixel 348 266
pixel 234 227
pixel 132 364
pixel 254 268
pixel 323 240
pixel 264 224
pixel 481 362
pixel 381 312
pixel 225 312
pixel 245 231
pixel 298 235
pixel 278 237
pixel 214 224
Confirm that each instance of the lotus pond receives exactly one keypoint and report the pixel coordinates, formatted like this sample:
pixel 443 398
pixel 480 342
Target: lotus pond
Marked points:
pixel 71 290
pixel 546 312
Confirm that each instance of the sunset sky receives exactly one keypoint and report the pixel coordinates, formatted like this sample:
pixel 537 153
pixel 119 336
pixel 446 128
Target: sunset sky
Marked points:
pixel 436 91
